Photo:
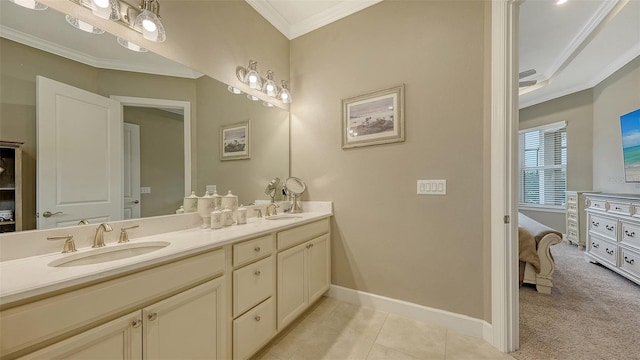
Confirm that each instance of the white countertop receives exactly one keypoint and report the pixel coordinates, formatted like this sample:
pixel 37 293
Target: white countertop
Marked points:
pixel 21 279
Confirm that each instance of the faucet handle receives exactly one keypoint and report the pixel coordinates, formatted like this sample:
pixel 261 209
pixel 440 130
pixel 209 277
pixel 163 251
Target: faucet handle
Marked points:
pixel 69 245
pixel 124 236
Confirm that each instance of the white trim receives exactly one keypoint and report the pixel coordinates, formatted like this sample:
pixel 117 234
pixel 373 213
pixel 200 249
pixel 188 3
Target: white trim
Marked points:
pixel 543 208
pixel 459 323
pixel 504 116
pixel 268 12
pixel 556 126
pixel 168 104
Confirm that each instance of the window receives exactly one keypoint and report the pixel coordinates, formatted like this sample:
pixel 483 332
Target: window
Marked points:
pixel 543 165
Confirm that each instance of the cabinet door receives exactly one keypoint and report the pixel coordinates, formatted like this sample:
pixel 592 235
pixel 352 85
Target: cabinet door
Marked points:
pixel 117 339
pixel 319 267
pixel 189 325
pixel 292 284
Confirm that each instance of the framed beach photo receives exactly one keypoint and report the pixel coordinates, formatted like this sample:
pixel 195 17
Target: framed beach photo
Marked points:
pixel 374 118
pixel 630 126
pixel 235 141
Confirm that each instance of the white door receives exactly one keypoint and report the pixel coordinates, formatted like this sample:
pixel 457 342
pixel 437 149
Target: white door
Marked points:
pixel 79 161
pixel 131 171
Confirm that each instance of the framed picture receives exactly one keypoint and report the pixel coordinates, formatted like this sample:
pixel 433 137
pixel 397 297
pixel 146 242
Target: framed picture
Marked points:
pixel 374 118
pixel 235 141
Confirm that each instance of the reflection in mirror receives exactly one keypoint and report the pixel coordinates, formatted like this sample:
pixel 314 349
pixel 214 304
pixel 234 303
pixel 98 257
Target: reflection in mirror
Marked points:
pixel 162 142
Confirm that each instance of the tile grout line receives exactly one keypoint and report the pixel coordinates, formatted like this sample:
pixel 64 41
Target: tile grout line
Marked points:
pixel 386 316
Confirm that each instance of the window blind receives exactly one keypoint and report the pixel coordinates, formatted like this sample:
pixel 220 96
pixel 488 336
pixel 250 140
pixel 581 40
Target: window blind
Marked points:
pixel 543 165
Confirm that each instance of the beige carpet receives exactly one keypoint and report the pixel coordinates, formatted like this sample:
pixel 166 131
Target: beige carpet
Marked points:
pixel 592 313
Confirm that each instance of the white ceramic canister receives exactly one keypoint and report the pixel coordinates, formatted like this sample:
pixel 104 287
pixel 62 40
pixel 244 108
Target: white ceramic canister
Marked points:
pixel 217 200
pixel 190 203
pixel 216 219
pixel 227 217
pixel 241 215
pixel 205 206
pixel 230 201
pixel 181 210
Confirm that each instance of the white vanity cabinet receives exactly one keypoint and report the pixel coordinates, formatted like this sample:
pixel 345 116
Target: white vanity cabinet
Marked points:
pixel 303 268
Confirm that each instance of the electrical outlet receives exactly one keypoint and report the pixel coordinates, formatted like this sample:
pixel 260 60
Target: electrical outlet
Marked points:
pixel 432 187
pixel 145 190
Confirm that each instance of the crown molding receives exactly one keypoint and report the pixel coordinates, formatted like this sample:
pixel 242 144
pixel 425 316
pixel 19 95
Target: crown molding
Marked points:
pixel 292 31
pixel 75 55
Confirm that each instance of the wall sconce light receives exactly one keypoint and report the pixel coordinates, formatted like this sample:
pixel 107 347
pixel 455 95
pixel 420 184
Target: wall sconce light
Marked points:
pixel 30 4
pixel 252 97
pixel 251 77
pixel 269 86
pixel 234 90
pixel 149 21
pixel 284 95
pixel 107 9
pixel 81 25
pixel 131 46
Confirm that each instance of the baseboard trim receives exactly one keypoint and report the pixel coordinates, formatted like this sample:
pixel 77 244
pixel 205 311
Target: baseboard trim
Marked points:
pixel 459 323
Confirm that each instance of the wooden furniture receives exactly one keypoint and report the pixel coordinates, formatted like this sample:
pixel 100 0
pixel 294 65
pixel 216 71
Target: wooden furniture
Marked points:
pixel 11 185
pixel 613 237
pixel 576 218
pixel 544 237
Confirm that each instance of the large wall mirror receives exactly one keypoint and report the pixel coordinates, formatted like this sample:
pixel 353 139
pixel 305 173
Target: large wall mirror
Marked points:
pixel 42 43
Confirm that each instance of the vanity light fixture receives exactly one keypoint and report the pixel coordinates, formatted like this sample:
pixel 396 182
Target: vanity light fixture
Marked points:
pixel 252 97
pixel 284 95
pixel 148 21
pixel 269 86
pixel 106 9
pixel 234 90
pixel 84 26
pixel 131 46
pixel 250 75
pixel 267 104
pixel 30 4
pixel 560 2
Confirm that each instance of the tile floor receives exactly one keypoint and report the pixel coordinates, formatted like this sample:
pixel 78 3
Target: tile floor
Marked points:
pixel 336 330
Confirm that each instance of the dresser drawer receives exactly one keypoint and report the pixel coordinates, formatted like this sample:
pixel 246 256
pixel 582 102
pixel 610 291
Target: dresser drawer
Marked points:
pixel 295 236
pixel 252 284
pixel 253 329
pixel 603 249
pixel 598 204
pixel 248 251
pixel 630 261
pixel 622 208
pixel 604 226
pixel 630 234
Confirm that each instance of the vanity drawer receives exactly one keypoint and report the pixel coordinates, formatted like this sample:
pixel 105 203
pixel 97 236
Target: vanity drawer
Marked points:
pixel 248 251
pixel 630 261
pixel 622 208
pixel 295 236
pixel 603 249
pixel 253 329
pixel 598 204
pixel 631 234
pixel 252 284
pixel 603 226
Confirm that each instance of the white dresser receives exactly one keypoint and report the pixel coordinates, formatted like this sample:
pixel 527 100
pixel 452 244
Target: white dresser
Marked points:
pixel 576 218
pixel 613 232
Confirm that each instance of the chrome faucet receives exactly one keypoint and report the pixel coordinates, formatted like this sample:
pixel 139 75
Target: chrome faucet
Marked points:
pixel 275 210
pixel 98 240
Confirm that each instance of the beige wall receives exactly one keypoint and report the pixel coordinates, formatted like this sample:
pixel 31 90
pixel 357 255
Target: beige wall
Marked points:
pixel 617 95
pixel 577 110
pixel 386 239
pixel 161 158
pixel 269 143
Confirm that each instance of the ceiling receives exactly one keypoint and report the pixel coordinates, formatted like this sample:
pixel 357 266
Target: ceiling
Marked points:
pixel 572 47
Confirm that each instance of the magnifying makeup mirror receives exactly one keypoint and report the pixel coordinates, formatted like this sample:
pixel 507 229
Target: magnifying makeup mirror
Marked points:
pixel 295 187
pixel 272 188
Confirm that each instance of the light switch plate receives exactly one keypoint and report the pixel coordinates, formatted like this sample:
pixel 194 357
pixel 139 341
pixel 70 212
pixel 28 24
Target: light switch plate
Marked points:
pixel 145 190
pixel 432 187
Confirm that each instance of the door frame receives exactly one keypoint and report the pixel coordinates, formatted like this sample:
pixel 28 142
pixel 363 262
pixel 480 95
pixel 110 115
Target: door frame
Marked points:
pixel 504 125
pixel 185 106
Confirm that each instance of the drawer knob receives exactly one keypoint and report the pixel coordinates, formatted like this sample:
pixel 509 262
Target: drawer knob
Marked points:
pixel 610 228
pixel 152 316
pixel 595 245
pixel 257 318
pixel 136 323
pixel 617 208
pixel 610 252
pixel 596 224
pixel 256 249
pixel 257 272
pixel 630 234
pixel 628 261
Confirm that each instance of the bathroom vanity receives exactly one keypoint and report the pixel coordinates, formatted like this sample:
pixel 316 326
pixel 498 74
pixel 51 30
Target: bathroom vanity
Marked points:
pixel 214 294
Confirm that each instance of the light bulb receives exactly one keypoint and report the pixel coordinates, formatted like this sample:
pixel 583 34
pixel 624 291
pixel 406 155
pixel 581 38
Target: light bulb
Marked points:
pixel 101 3
pixel 285 96
pixel 149 25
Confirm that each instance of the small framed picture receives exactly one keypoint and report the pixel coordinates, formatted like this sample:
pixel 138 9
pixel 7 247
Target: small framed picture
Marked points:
pixel 235 141
pixel 374 118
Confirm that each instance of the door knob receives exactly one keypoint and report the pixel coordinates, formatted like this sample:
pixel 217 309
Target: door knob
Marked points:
pixel 49 214
pixel 136 201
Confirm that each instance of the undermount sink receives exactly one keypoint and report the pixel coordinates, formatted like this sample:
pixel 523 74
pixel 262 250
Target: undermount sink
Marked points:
pixel 283 217
pixel 109 253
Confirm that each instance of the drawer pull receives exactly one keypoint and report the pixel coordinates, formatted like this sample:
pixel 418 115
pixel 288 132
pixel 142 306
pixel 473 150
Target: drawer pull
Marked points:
pixel 628 261
pixel 136 323
pixel 257 318
pixel 610 252
pixel 152 316
pixel 610 228
pixel 630 234
pixel 595 224
pixel 594 245
pixel 257 272
pixel 618 208
pixel 256 249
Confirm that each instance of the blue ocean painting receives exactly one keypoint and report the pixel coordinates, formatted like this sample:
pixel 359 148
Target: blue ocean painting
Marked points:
pixel 630 126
